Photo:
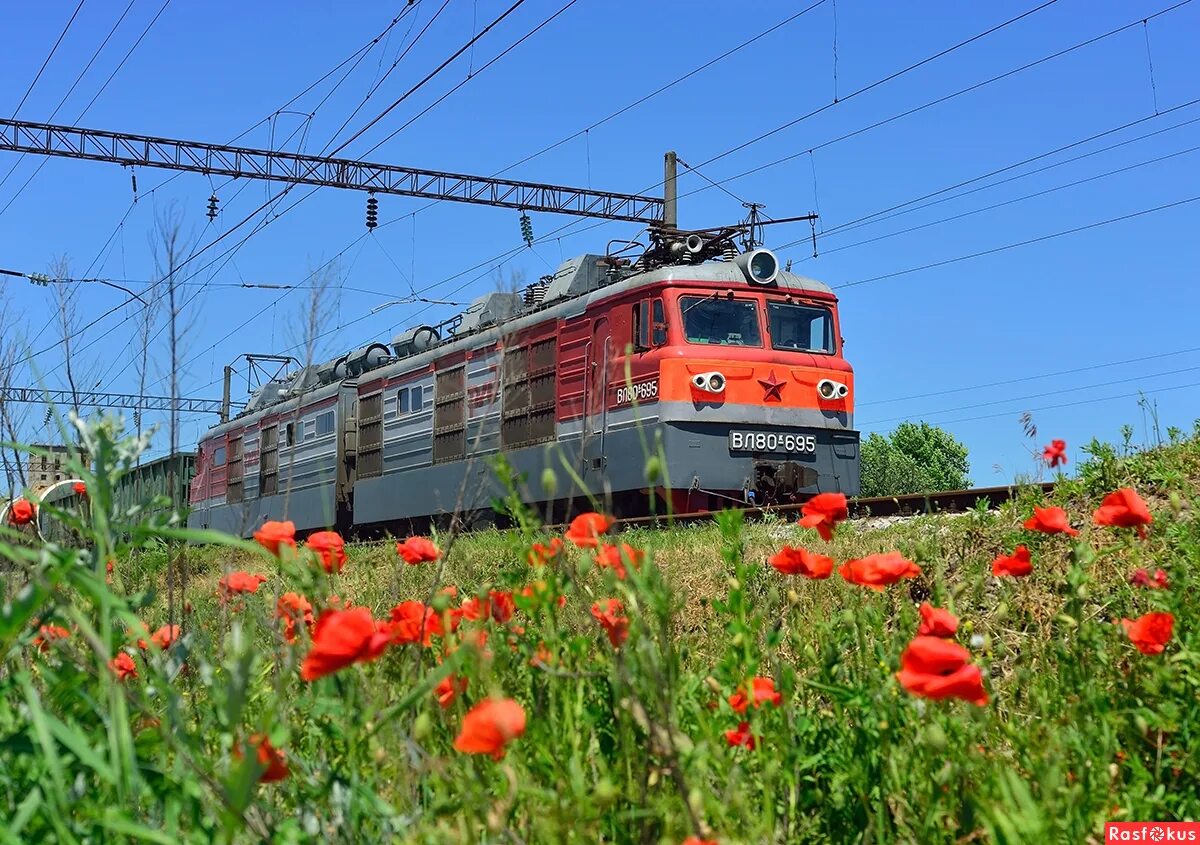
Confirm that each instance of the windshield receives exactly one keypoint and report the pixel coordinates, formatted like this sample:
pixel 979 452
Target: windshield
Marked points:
pixel 725 322
pixel 804 328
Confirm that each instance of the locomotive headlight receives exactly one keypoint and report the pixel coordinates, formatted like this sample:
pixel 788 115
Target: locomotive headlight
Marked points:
pixel 760 266
pixel 709 382
pixel 830 389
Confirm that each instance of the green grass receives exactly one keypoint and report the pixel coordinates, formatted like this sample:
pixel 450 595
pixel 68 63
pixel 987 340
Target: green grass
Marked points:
pixel 629 745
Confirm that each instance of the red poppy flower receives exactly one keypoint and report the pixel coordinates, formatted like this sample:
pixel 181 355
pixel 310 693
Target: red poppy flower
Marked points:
pixel 1124 508
pixel 165 635
pixel 272 761
pixel 238 582
pixel 615 558
pixel 21 512
pixel 416 550
pixel 293 608
pixel 935 668
pixel 343 637
pixel 475 609
pixel 799 561
pixel 80 488
pixel 123 666
pixel 741 736
pixel 272 535
pixel 414 621
pixel 1050 521
pixel 448 688
pixel 936 622
pixel 48 634
pixel 543 554
pixel 502 604
pixel 1055 453
pixel 1150 633
pixel 823 512
pixel 1142 578
pixel 610 614
pixel 696 840
pixel 330 548
pixel 1018 564
pixel 489 726
pixel 762 691
pixel 877 571
pixel 585 529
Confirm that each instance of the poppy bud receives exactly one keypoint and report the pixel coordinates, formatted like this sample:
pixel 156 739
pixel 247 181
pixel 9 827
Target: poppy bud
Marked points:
pixel 653 469
pixel 713 684
pixel 1069 621
pixel 1142 725
pixel 605 792
pixel 968 626
pixel 733 583
pixel 653 779
pixel 380 754
pixel 549 482
pixel 421 726
pixel 738 639
pixel 440 603
pixel 810 652
pixel 848 616
pixel 935 737
pixel 1176 503
pixel 793 598
pixel 1001 612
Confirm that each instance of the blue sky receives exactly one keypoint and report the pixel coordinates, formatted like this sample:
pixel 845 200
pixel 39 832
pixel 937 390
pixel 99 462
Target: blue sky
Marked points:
pixel 1040 319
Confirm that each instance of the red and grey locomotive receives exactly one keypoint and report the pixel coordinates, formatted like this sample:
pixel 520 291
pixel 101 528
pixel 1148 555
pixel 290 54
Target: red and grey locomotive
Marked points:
pixel 724 365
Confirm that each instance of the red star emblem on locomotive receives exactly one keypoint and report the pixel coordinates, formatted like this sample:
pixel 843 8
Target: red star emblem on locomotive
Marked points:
pixel 772 387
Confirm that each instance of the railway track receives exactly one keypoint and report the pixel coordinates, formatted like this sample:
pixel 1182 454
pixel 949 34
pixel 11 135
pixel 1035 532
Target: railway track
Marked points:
pixel 947 501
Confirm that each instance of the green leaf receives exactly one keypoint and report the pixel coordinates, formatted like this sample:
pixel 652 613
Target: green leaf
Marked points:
pixel 120 824
pixel 77 744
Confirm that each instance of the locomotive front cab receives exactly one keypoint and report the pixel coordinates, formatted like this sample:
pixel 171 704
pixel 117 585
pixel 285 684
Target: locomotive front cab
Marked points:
pixel 755 398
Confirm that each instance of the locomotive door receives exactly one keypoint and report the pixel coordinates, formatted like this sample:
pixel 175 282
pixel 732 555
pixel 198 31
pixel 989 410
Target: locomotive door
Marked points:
pixel 596 419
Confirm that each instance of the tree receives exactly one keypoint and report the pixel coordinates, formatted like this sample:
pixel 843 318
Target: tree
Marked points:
pixel 915 458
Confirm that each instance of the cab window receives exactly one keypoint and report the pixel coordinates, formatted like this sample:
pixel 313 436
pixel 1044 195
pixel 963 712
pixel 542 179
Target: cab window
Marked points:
pixel 802 328
pixel 720 321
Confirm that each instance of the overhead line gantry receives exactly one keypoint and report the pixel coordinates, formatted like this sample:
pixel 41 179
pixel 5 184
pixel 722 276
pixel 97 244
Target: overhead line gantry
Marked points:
pixel 126 149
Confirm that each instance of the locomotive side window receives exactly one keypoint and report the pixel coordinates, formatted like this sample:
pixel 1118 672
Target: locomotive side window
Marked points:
pixel 641 325
pixel 659 326
pixel 722 322
pixel 325 423
pixel 219 456
pixel 803 328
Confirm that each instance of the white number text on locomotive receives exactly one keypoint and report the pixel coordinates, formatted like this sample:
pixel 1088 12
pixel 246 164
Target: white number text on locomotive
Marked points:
pixel 771 441
pixel 642 392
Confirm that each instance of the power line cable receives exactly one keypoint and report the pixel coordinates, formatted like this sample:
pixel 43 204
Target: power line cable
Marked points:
pixel 49 56
pixel 91 102
pixel 994 206
pixel 428 77
pixel 1054 392
pixel 1026 242
pixel 1054 374
pixel 75 84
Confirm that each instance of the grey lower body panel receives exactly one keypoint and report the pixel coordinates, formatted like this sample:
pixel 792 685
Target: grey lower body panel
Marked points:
pixel 696 457
pixel 310 509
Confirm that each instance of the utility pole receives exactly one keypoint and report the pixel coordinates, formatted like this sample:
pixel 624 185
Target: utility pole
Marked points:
pixel 670 203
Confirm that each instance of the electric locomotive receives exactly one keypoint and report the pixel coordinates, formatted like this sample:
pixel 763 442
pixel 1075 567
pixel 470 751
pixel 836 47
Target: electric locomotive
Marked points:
pixel 715 368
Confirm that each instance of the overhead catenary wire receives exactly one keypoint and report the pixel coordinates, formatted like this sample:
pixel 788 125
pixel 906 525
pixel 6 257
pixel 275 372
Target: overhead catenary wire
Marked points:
pixel 49 56
pixel 1027 242
pixel 994 206
pixel 1053 374
pixel 1055 392
pixel 79 78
